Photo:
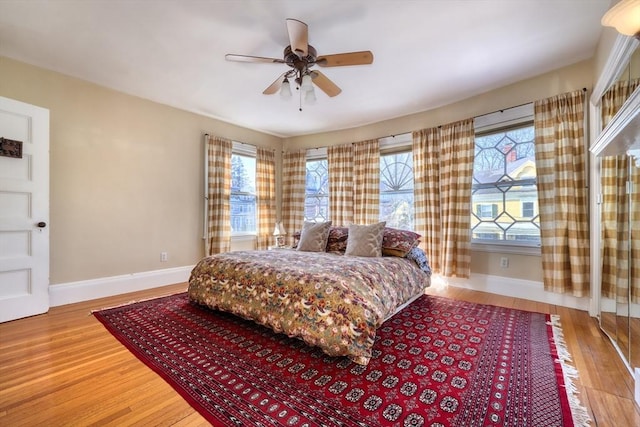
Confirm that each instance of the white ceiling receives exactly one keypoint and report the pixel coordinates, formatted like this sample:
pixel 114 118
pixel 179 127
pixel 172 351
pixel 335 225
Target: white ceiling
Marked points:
pixel 427 53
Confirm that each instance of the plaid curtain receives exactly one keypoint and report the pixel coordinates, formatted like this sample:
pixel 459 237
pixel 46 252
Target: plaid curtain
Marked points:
pixel 615 207
pixel 340 163
pixel 443 167
pixel 426 193
pixel 219 195
pixel 562 192
pixel 456 169
pixel 366 182
pixel 294 178
pixel 265 196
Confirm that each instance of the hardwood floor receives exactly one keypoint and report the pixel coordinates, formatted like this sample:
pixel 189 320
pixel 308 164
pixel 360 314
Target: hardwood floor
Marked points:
pixel 63 368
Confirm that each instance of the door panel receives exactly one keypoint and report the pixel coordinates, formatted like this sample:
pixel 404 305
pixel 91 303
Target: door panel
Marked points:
pixel 24 202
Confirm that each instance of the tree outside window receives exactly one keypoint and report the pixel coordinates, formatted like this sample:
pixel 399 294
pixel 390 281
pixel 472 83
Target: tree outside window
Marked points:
pixel 243 194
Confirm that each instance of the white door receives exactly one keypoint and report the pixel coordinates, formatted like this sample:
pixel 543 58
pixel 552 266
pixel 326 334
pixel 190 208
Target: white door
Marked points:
pixel 24 211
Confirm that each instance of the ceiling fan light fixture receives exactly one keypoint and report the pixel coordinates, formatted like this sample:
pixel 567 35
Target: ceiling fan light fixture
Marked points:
pixel 285 89
pixel 310 97
pixel 307 84
pixel 624 17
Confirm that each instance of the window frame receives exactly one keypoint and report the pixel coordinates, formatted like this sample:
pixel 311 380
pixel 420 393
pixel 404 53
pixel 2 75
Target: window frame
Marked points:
pixel 392 146
pixel 244 150
pixel 494 122
pixel 314 155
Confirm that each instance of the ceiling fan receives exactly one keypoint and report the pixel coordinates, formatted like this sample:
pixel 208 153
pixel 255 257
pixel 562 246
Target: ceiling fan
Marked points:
pixel 301 57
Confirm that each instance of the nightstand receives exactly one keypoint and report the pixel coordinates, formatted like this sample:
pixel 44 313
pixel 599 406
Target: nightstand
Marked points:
pixel 277 248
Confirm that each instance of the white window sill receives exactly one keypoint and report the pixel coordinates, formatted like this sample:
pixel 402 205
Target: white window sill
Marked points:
pixel 243 237
pixel 505 248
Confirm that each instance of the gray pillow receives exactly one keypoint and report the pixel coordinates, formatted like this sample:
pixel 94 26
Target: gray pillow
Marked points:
pixel 365 240
pixel 313 237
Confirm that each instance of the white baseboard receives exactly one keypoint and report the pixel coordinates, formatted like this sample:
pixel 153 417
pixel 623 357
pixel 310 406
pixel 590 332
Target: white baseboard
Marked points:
pixel 518 288
pixel 85 290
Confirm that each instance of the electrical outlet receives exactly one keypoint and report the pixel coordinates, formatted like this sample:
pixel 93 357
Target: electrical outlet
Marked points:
pixel 504 262
pixel 163 257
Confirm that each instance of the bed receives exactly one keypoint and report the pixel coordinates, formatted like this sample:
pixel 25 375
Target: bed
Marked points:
pixel 327 299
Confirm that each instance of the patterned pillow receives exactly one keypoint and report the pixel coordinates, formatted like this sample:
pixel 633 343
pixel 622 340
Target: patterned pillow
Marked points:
pixel 418 256
pixel 365 240
pixel 337 241
pixel 398 242
pixel 313 237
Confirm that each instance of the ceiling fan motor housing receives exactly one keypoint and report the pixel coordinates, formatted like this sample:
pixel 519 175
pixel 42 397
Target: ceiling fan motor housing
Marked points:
pixel 300 63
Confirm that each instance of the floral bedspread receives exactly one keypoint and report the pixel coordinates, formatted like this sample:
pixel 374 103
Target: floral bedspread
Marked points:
pixel 332 301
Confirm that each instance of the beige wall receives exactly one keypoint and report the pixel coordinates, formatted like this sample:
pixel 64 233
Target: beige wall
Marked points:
pixel 567 79
pixel 126 175
pixel 525 267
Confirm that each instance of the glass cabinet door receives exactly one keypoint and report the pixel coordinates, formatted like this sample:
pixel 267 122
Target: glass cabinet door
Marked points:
pixel 614 290
pixel 634 264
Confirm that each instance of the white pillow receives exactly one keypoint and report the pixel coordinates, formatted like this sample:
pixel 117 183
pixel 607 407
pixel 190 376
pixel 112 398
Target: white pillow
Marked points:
pixel 365 240
pixel 313 237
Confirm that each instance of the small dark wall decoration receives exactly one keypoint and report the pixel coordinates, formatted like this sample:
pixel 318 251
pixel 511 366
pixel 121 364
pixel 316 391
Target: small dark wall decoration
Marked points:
pixel 10 148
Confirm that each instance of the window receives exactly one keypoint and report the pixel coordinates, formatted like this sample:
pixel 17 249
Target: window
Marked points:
pixel 528 209
pixel 396 190
pixel 243 193
pixel 504 193
pixel 316 194
pixel 487 211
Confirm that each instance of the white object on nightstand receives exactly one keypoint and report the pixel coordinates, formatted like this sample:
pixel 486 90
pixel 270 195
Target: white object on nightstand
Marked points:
pixel 279 232
pixel 273 248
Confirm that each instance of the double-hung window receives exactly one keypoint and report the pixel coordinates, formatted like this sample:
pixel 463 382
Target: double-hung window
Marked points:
pixel 396 189
pixel 243 189
pixel 316 193
pixel 504 191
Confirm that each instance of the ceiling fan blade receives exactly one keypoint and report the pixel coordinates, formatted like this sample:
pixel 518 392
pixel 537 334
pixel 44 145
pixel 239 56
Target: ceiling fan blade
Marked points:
pixel 341 59
pixel 275 86
pixel 298 37
pixel 248 58
pixel 325 84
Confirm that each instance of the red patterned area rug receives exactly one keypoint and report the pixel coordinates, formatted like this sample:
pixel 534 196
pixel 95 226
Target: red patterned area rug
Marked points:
pixel 439 362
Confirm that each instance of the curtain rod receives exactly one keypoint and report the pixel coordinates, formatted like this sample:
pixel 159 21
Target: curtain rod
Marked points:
pixel 246 143
pixel 502 110
pixel 584 89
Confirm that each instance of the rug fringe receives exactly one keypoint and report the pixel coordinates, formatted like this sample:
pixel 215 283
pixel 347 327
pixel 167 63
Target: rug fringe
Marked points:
pixel 580 414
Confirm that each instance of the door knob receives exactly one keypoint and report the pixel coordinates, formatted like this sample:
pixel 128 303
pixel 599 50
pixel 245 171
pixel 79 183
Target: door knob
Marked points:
pixel 42 224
